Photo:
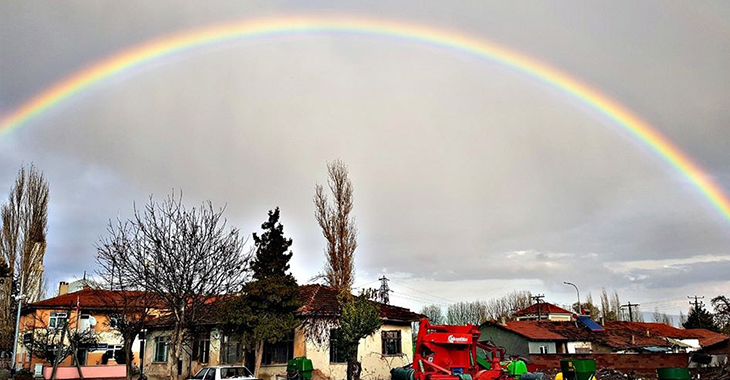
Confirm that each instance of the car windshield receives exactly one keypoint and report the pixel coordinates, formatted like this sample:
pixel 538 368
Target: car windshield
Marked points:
pixel 231 372
pixel 200 374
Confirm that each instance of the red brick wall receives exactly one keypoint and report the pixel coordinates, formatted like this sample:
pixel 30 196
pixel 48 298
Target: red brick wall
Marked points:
pixel 643 364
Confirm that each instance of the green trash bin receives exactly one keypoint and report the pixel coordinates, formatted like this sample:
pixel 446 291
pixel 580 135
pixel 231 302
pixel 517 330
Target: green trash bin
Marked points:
pixel 578 369
pixel 299 368
pixel 673 373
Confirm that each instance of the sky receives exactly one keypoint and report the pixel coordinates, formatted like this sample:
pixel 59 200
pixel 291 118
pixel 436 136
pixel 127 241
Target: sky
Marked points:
pixel 471 179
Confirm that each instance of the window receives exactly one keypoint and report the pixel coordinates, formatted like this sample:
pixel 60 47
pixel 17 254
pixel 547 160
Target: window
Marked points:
pixel 279 352
pixel 231 350
pixel 113 322
pixel 161 349
pixel 231 372
pixel 200 374
pixel 85 322
pixel 115 352
pixel 210 375
pixel 543 349
pixel 57 320
pixel 201 348
pixel 391 342
pixel 335 355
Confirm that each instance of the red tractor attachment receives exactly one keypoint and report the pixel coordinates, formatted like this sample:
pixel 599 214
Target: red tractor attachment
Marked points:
pixel 444 352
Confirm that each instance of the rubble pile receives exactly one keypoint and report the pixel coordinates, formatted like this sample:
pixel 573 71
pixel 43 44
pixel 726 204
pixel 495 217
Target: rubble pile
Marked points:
pixel 612 374
pixel 712 373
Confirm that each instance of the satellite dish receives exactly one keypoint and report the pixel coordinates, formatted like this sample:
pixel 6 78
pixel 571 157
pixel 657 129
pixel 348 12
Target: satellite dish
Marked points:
pixel 92 321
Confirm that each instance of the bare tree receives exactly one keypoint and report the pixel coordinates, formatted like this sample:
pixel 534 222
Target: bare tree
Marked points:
pixel 23 243
pixel 659 317
pixel 359 316
pixel 185 257
pixel 616 306
pixel 434 314
pixel 462 313
pixel 338 227
pixel 722 313
pixel 128 308
pixel 56 343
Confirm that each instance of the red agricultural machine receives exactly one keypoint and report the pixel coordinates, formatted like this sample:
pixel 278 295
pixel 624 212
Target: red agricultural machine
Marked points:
pixel 444 352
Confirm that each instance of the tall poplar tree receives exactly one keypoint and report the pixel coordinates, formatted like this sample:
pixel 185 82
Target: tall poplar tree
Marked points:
pixel 359 316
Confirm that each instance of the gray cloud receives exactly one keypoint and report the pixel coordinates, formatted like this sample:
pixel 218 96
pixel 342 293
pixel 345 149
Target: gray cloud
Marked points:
pixel 457 162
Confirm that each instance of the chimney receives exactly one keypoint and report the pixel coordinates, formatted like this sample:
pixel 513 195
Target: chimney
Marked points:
pixel 633 340
pixel 62 288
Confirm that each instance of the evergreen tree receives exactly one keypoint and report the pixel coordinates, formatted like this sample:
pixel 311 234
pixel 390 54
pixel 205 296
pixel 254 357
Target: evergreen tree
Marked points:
pixel 266 311
pixel 700 318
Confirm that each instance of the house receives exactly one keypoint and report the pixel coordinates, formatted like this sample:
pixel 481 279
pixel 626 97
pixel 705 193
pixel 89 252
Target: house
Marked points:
pixel 85 310
pixel 715 346
pixel 527 338
pixel 388 347
pixel 543 311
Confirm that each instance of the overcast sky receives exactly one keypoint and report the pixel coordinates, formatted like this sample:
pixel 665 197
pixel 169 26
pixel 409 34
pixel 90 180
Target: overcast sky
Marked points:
pixel 471 179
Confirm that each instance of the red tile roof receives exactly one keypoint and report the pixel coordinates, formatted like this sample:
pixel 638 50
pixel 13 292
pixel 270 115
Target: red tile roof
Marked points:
pixel 91 299
pixel 317 300
pixel 321 300
pixel 617 335
pixel 709 338
pixel 530 329
pixel 658 329
pixel 545 308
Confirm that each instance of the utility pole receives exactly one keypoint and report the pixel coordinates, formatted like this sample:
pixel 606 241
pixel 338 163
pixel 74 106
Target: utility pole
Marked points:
pixel 17 324
pixel 538 298
pixel 697 304
pixel 384 291
pixel 630 306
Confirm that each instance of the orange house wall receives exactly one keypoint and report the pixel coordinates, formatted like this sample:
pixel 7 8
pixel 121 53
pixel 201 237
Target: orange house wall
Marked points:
pixel 40 318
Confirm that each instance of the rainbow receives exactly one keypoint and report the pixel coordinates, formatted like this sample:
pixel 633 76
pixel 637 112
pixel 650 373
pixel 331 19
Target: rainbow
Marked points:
pixel 156 49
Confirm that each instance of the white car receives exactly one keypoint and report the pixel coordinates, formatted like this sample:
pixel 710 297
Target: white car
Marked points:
pixel 224 373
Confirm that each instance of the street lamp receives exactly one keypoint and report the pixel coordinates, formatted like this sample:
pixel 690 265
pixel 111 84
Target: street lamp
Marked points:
pixel 577 292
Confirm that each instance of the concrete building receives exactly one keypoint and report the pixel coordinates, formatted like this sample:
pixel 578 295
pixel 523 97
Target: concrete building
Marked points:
pixel 388 347
pixel 85 310
pixel 543 311
pixel 528 338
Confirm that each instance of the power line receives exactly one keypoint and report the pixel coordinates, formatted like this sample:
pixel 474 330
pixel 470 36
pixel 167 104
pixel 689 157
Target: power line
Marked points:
pixel 417 299
pixel 664 301
pixel 421 291
pixel 363 285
